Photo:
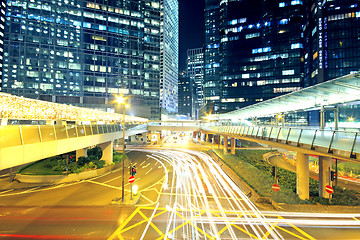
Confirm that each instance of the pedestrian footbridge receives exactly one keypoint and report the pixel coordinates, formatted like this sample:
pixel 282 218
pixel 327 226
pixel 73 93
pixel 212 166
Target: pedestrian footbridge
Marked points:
pixel 336 144
pixel 22 144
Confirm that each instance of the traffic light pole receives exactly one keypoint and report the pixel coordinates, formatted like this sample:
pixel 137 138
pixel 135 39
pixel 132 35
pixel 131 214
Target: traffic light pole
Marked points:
pixel 123 165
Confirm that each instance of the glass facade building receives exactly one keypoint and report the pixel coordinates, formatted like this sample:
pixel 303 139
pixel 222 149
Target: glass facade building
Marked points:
pixel 169 56
pixel 256 50
pixel 195 71
pixel 186 95
pixel 211 87
pixel 332 38
pixel 85 52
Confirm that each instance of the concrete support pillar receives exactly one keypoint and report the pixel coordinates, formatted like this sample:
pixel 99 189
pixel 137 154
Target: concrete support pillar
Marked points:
pixel 50 122
pixel 336 118
pixel 233 146
pixel 207 137
pixel 302 176
pixel 144 137
pixel 322 118
pixel 225 144
pixel 4 121
pixel 324 175
pixel 107 149
pixel 82 152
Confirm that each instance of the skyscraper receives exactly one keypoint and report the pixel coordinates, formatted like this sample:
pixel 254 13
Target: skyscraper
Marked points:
pixel 195 71
pixel 258 49
pixel 85 52
pixel 169 56
pixel 186 95
pixel 211 87
pixel 332 40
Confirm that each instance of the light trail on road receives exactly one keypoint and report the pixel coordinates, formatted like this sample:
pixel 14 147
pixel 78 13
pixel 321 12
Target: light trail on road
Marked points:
pixel 200 197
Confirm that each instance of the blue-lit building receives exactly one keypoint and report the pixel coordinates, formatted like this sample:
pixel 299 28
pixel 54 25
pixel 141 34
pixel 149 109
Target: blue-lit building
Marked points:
pixel 169 56
pixel 85 52
pixel 212 84
pixel 195 71
pixel 332 40
pixel 185 95
pixel 259 49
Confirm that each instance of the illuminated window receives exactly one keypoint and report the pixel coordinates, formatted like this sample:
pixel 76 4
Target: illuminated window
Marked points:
pixel 288 72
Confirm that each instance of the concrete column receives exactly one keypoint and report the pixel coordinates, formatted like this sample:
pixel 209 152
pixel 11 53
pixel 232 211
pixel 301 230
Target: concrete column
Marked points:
pixel 324 175
pixel 225 144
pixel 4 121
pixel 107 149
pixel 302 176
pixel 82 152
pixel 144 137
pixel 322 118
pixel 232 146
pixel 50 122
pixel 336 118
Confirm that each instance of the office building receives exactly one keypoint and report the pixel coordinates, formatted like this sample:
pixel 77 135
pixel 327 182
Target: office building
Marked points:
pixel 259 49
pixel 169 56
pixel 85 52
pixel 262 49
pixel 195 71
pixel 332 40
pixel 211 87
pixel 186 95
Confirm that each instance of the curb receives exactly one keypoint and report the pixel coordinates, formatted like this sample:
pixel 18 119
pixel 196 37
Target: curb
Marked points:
pixel 283 207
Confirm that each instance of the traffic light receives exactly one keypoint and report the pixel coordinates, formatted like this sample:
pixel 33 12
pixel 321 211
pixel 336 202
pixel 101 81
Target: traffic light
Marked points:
pixel 273 170
pixel 133 171
pixel 333 175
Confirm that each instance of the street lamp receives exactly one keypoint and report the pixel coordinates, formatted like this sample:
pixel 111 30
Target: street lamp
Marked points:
pixel 122 101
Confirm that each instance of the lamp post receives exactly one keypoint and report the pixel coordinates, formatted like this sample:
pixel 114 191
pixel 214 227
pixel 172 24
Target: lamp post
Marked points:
pixel 121 101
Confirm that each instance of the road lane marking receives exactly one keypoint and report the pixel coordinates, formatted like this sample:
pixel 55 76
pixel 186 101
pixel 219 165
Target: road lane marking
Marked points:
pixel 356 219
pixel 7 191
pixel 103 184
pixel 148 171
pixel 117 232
pixel 194 226
pixel 298 229
pixel 150 223
pixel 112 179
pixel 31 189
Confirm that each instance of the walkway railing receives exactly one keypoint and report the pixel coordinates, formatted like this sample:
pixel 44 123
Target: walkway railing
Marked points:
pixel 14 135
pixel 308 138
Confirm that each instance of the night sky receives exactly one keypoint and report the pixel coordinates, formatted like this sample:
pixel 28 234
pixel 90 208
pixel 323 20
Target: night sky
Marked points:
pixel 191 29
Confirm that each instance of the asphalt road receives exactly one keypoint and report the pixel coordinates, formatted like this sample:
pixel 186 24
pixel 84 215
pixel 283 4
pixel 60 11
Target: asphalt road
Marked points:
pixel 183 194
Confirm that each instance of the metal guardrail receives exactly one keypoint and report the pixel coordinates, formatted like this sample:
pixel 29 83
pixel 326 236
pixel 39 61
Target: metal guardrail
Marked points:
pixel 15 135
pixel 331 140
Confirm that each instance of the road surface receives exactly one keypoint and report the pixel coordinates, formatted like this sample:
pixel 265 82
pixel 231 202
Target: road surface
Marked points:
pixel 183 194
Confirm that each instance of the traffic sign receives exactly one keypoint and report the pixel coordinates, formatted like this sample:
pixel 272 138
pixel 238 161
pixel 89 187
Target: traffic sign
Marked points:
pixel 329 189
pixel 131 179
pixel 275 187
